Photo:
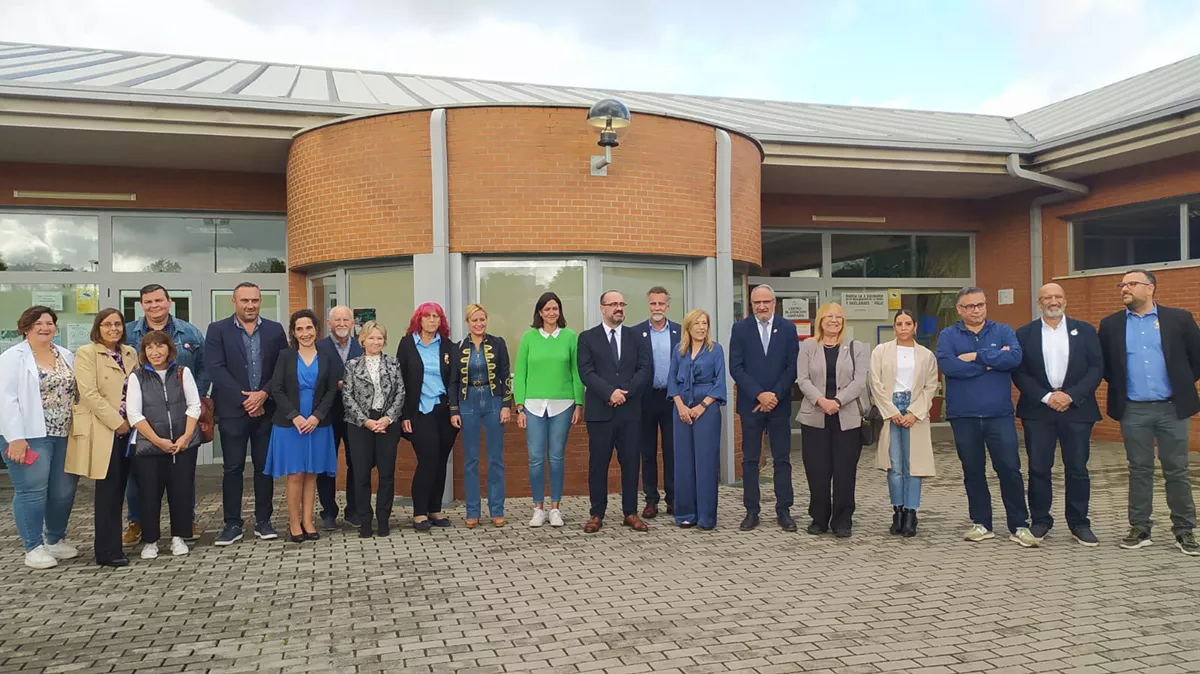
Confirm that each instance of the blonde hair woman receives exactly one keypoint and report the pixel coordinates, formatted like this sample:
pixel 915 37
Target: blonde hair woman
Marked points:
pixel 904 379
pixel 832 376
pixel 696 383
pixel 485 393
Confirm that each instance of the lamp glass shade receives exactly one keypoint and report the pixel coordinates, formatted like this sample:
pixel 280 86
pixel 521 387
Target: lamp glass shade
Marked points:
pixel 609 110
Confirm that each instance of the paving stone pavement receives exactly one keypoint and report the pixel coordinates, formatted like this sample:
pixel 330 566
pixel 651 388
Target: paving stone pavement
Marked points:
pixel 546 600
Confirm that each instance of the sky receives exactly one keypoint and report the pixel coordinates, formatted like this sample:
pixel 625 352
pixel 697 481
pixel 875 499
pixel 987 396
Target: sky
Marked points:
pixel 1000 57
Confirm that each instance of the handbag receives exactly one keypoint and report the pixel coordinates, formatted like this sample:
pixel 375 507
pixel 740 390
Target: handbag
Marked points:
pixel 205 424
pixel 872 418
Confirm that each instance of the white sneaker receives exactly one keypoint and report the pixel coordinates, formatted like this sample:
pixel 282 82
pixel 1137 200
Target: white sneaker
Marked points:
pixel 62 550
pixel 977 533
pixel 539 517
pixel 1024 537
pixel 178 547
pixel 39 558
pixel 150 551
pixel 556 518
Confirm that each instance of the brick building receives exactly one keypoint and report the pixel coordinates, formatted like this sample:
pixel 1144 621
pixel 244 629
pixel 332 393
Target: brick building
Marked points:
pixel 380 191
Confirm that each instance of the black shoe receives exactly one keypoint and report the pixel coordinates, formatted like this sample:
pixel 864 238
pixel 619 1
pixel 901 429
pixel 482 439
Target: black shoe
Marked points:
pixel 423 525
pixel 365 532
pixel 1039 531
pixel 352 520
pixel 383 530
pixel 329 522
pixel 908 523
pixel 297 538
pixel 1084 537
pixel 115 563
pixel 815 529
pixel 1186 542
pixel 312 536
pixel 786 522
pixel 896 512
pixel 442 523
pixel 750 522
pixel 841 533
pixel 1136 538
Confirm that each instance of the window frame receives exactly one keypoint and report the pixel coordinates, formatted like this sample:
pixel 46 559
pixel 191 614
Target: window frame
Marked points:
pixel 1076 223
pixel 828 279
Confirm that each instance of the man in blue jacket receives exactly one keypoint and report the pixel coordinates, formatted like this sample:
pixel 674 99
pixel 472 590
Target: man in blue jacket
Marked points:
pixel 978 356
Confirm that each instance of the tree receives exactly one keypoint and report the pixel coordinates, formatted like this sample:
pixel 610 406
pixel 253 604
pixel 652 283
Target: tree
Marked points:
pixel 3 266
pixel 164 266
pixel 271 265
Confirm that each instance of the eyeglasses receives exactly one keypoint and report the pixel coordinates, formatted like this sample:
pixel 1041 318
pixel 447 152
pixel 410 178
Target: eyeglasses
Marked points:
pixel 1131 284
pixel 973 307
pixel 619 305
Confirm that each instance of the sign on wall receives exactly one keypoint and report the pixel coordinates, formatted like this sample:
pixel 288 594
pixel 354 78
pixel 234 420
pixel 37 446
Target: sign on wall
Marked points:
pixel 866 305
pixel 795 309
pixel 45 298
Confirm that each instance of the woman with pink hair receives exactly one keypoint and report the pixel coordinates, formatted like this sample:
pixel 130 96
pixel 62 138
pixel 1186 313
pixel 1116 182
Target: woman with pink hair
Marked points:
pixel 429 418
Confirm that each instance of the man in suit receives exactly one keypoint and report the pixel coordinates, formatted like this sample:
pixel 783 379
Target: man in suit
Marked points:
pixel 241 352
pixel 762 360
pixel 1151 364
pixel 1059 373
pixel 614 366
pixel 340 345
pixel 659 337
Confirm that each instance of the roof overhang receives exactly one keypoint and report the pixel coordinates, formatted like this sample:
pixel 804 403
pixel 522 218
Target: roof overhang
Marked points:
pixel 1153 140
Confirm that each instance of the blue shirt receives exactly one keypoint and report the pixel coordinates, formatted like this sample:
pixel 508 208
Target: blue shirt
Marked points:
pixel 1146 368
pixel 693 380
pixel 476 366
pixel 432 386
pixel 660 345
pixel 254 358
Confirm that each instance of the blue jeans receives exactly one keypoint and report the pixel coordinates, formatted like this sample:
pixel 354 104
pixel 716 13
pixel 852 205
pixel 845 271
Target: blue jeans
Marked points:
pixel 43 494
pixel 903 488
pixel 999 435
pixel 481 412
pixel 541 432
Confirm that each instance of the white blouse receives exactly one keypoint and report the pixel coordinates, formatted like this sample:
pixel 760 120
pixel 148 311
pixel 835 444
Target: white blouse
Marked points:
pixel 547 407
pixel 372 363
pixel 906 368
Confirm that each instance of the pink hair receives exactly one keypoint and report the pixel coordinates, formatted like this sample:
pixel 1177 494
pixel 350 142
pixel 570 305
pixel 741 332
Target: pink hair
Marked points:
pixel 427 308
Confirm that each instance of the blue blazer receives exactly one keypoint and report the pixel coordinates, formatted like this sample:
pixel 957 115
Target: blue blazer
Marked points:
pixel 225 363
pixel 601 375
pixel 1085 367
pixel 338 369
pixel 693 380
pixel 643 331
pixel 755 372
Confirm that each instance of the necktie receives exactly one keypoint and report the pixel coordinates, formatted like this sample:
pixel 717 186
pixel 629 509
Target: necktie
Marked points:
pixel 765 332
pixel 612 343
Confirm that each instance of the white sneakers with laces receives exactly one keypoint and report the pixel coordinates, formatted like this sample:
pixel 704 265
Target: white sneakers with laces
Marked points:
pixel 539 517
pixel 178 547
pixel 62 550
pixel 977 533
pixel 556 518
pixel 39 558
pixel 150 551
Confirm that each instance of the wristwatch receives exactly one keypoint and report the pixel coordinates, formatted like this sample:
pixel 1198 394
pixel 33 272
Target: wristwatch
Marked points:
pixel 704 404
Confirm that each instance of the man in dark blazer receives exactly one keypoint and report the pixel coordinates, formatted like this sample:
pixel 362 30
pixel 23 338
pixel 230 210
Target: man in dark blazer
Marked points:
pixel 1060 370
pixel 660 337
pixel 614 365
pixel 762 361
pixel 1151 364
pixel 240 354
pixel 340 345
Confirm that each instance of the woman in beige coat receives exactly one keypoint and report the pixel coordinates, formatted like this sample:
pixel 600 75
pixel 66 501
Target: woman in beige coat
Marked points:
pixel 904 380
pixel 99 430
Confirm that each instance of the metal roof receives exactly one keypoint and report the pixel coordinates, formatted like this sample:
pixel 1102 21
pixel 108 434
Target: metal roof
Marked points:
pixel 93 74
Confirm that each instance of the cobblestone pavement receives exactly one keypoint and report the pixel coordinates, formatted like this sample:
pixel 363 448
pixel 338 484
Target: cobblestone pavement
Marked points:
pixel 518 599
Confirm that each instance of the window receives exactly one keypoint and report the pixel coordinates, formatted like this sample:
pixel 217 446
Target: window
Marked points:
pixel 386 291
pixel 47 242
pixel 172 245
pixel 76 306
pixel 739 295
pixel 1193 215
pixel 510 289
pixel 795 254
pixel 900 256
pixel 1138 237
pixel 271 307
pixel 634 280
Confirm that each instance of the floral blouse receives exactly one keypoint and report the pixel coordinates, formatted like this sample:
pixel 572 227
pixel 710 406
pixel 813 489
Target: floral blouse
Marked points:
pixel 58 395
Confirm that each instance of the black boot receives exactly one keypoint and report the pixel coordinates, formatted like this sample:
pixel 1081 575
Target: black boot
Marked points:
pixel 908 523
pixel 897 511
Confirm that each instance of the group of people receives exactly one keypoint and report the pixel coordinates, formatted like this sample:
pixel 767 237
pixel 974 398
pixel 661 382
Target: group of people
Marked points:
pixel 129 409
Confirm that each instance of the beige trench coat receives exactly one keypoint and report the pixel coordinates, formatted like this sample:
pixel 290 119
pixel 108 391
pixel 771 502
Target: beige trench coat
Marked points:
pixel 97 414
pixel 925 386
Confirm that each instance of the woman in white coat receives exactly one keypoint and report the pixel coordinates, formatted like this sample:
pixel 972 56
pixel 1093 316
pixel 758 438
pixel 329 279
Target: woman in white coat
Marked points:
pixel 904 380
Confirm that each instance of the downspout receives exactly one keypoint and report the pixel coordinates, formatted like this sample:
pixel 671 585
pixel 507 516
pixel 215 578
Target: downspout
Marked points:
pixel 1065 190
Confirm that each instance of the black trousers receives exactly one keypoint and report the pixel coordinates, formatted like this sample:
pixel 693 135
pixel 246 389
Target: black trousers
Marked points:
pixel 173 474
pixel 110 497
pixel 372 450
pixel 327 484
pixel 432 440
pixel 831 455
pixel 658 416
pixel 1041 438
pixel 603 436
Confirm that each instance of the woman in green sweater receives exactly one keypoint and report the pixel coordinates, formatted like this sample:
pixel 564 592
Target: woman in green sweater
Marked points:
pixel 549 395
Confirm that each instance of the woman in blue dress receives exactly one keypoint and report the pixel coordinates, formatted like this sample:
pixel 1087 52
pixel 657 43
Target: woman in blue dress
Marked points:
pixel 301 448
pixel 697 385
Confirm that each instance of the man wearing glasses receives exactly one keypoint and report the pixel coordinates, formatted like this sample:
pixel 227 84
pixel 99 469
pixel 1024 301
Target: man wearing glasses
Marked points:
pixel 978 357
pixel 1151 364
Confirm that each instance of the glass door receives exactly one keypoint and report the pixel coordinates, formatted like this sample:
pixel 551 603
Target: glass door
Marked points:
pixel 181 305
pixel 323 294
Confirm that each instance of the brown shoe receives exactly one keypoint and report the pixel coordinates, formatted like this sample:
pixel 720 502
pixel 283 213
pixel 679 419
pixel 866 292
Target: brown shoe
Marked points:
pixel 498 522
pixel 650 511
pixel 132 535
pixel 636 523
pixel 670 509
pixel 472 523
pixel 593 525
pixel 195 533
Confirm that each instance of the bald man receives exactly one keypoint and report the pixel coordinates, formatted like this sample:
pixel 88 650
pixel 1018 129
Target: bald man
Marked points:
pixel 1060 370
pixel 340 346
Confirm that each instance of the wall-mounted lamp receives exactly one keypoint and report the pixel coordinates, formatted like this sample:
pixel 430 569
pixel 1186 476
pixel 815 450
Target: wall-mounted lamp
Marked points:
pixel 608 115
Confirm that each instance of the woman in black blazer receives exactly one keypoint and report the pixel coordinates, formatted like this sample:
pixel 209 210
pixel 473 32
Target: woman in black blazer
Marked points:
pixel 429 418
pixel 303 388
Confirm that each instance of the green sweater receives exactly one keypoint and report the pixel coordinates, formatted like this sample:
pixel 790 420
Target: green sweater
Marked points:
pixel 547 367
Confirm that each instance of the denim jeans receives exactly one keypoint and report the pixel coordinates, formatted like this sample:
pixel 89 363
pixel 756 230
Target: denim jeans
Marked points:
pixel 481 412
pixel 903 488
pixel 999 435
pixel 43 493
pixel 540 432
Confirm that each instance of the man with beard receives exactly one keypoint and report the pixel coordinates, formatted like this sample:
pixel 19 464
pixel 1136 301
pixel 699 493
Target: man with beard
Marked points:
pixel 1060 370
pixel 661 337
pixel 1151 364
pixel 614 365
pixel 340 346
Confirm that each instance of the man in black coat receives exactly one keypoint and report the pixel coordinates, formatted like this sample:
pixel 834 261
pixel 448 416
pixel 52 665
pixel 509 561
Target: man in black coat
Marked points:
pixel 613 364
pixel 1151 364
pixel 1060 370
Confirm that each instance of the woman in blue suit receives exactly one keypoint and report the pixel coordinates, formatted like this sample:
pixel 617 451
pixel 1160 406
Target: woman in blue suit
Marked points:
pixel 697 385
